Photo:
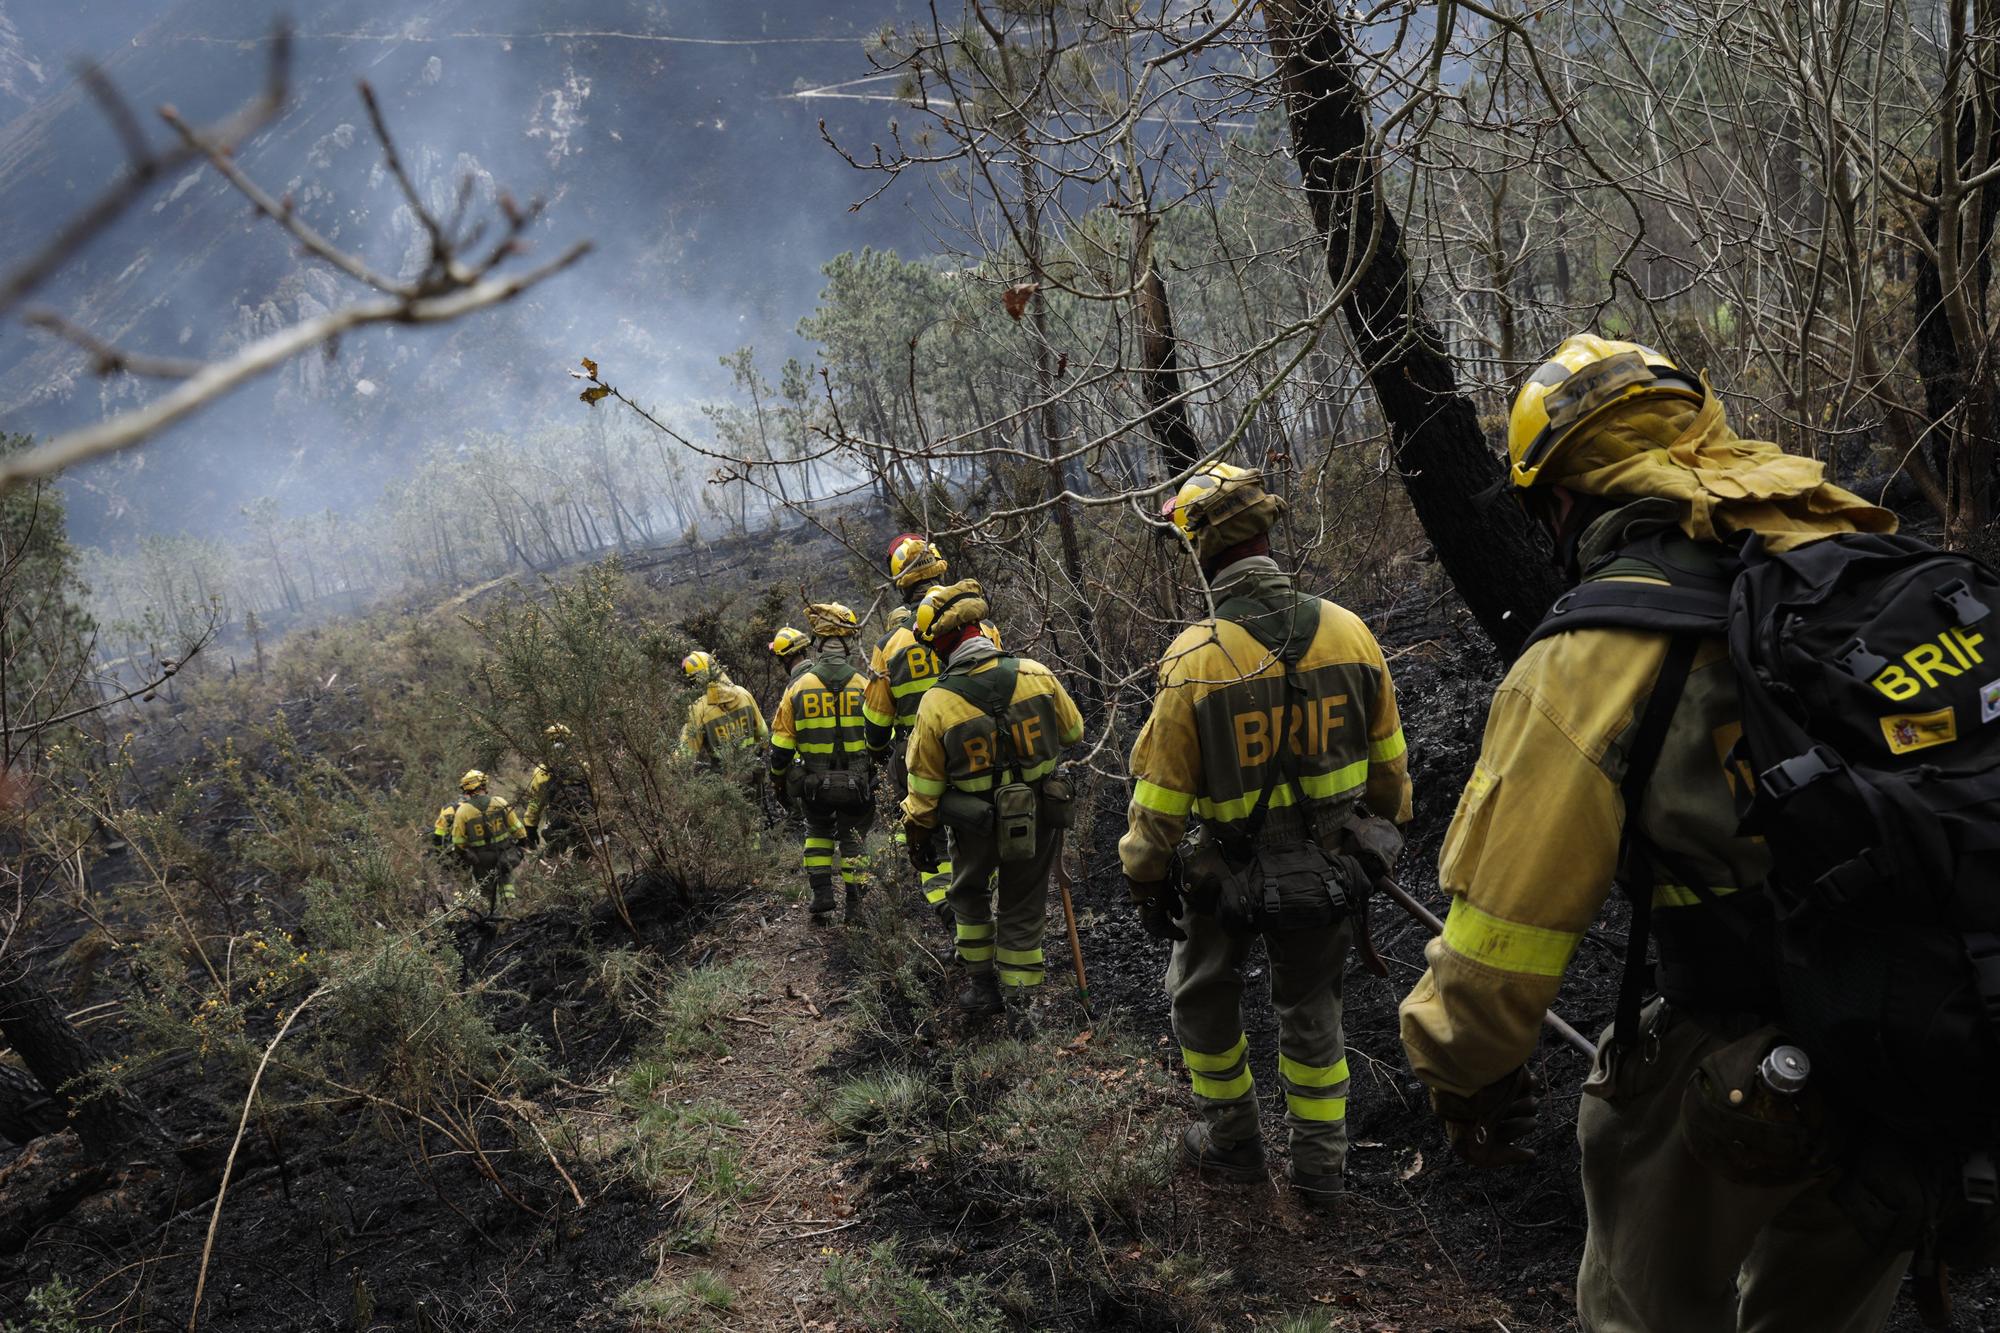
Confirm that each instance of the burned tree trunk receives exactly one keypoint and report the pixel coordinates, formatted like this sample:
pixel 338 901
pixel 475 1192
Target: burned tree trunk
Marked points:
pixel 1160 375
pixel 110 1121
pixel 1487 550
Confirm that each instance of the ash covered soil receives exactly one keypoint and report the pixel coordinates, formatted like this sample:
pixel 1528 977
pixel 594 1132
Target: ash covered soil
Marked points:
pixel 330 1225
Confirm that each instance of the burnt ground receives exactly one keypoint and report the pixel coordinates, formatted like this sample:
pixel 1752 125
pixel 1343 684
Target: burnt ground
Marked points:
pixel 330 1224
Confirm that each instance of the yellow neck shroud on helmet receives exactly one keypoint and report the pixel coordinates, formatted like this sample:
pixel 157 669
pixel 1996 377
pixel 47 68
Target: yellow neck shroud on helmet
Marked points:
pixel 831 620
pixel 1666 448
pixel 915 560
pixel 945 609
pixel 1223 505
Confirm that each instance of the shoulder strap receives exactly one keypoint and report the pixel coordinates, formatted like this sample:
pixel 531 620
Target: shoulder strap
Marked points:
pixel 1286 631
pixel 1628 604
pixel 1634 852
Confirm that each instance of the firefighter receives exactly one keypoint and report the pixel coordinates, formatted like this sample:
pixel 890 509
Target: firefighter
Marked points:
pixel 1611 442
pixel 793 649
pixel 994 784
pixel 820 762
pixel 1276 725
pixel 441 829
pixel 725 719
pixel 897 618
pixel 560 801
pixel 487 835
pixel 902 668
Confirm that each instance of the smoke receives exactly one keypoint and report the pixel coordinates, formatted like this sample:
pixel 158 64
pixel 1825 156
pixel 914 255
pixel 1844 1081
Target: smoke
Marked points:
pixel 667 136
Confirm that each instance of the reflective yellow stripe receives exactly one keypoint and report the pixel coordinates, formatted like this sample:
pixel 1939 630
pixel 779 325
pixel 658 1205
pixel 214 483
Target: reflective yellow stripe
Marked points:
pixel 1009 977
pixel 1203 1063
pixel 1381 752
pixel 976 953
pixel 909 687
pixel 1311 1076
pixel 879 719
pixel 782 741
pixel 815 747
pixel 822 842
pixel 906 720
pixel 975 930
pixel 1221 1089
pixel 1163 799
pixel 934 896
pixel 1019 957
pixel 1316 1108
pixel 1072 737
pixel 1507 946
pixel 924 786
pixel 1318 787
pixel 1678 895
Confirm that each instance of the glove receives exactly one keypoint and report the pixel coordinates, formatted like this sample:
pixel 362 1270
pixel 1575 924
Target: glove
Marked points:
pixel 1160 907
pixel 923 849
pixel 1486 1128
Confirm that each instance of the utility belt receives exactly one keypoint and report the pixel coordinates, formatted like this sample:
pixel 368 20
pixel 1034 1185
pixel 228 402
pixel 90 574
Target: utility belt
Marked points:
pixel 1281 878
pixel 1014 814
pixel 842 789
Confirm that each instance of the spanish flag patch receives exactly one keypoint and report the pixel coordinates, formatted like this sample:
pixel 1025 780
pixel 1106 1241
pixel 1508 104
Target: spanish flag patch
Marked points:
pixel 1919 731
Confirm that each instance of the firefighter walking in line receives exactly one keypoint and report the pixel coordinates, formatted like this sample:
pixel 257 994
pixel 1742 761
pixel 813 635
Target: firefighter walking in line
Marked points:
pixel 902 669
pixel 1611 444
pixel 982 759
pixel 1274 723
pixel 560 801
pixel 725 719
pixel 820 761
pixel 793 649
pixel 487 835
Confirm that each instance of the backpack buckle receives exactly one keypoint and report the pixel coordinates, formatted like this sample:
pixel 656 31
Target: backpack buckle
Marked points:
pixel 1858 662
pixel 1845 881
pixel 1782 781
pixel 1957 596
pixel 1979 1179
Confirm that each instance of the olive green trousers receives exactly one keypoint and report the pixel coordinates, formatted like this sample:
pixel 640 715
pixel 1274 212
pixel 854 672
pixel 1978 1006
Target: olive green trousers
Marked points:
pixel 1673 1247
pixel 1205 979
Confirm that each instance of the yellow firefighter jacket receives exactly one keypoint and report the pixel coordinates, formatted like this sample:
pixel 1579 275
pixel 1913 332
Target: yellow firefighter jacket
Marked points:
pixel 899 673
pixel 724 719
pixel 485 821
pixel 441 830
pixel 544 784
pixel 1532 851
pixel 817 724
pixel 953 744
pixel 1221 713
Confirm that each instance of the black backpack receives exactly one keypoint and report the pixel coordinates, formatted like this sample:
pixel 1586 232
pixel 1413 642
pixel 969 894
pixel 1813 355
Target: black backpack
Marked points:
pixel 1869 673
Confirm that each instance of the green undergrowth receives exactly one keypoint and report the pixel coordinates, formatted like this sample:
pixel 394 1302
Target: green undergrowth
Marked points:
pixel 696 1301
pixel 679 1146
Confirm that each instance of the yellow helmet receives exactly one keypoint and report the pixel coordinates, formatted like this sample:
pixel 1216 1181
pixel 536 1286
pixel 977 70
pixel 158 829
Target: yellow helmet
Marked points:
pixel 472 781
pixel 912 560
pixel 949 607
pixel 1221 505
pixel 698 666
pixel 896 619
pixel 831 620
pixel 556 731
pixel 788 641
pixel 1582 380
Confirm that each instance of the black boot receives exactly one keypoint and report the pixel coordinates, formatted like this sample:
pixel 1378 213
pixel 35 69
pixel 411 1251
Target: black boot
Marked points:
pixel 1321 1193
pixel 852 910
pixel 981 993
pixel 822 900
pixel 1235 1164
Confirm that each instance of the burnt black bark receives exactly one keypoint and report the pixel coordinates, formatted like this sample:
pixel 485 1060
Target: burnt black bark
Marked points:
pixel 1160 378
pixel 1487 549
pixel 110 1121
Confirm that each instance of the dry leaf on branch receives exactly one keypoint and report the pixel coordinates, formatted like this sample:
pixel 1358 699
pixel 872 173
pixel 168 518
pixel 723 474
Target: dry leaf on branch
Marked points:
pixel 1016 298
pixel 595 394
pixel 590 366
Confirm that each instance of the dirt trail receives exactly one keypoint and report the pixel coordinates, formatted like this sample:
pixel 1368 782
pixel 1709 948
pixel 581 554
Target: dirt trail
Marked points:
pixel 772 1248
